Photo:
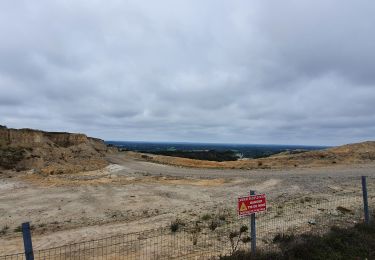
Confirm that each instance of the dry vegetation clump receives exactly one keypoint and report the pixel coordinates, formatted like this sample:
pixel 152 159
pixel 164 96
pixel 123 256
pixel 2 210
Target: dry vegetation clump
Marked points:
pixel 357 242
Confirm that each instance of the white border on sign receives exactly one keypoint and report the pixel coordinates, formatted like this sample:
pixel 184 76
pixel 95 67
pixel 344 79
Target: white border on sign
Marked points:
pixel 263 195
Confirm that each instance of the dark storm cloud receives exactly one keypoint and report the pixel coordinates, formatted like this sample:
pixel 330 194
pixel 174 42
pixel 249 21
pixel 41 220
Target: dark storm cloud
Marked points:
pixel 220 71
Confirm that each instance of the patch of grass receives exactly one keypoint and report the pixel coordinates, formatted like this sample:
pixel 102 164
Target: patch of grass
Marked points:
pixel 213 225
pixel 244 255
pixel 18 229
pixel 357 242
pixel 195 232
pixel 344 210
pixel 306 199
pixel 206 217
pixel 339 243
pixel 283 238
pixel 246 239
pixel 175 225
pixel 235 237
pixel 146 157
pixel 4 230
pixel 222 217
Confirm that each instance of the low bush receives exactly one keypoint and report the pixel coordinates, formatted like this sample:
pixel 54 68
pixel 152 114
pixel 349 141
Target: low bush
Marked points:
pixel 213 225
pixel 206 217
pixel 4 230
pixel 175 225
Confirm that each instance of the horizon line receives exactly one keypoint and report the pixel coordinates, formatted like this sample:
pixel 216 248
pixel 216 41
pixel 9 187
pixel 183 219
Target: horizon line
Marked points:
pixel 216 143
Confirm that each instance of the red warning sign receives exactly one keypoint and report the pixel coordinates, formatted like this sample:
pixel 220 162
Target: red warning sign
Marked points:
pixel 251 204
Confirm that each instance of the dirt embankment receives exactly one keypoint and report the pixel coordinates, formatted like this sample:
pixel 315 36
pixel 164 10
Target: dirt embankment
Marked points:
pixel 343 155
pixel 50 152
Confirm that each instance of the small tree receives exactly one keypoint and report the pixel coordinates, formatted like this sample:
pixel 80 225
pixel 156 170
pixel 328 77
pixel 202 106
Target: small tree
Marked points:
pixel 239 236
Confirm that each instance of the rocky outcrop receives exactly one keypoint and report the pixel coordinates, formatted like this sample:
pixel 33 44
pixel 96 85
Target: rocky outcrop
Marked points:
pixel 50 152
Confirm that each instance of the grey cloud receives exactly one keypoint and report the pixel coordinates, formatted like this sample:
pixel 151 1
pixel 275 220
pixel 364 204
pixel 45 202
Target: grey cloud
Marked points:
pixel 320 37
pixel 244 71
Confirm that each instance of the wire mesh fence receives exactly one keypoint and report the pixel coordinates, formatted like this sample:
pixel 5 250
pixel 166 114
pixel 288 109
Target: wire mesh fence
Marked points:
pixel 219 237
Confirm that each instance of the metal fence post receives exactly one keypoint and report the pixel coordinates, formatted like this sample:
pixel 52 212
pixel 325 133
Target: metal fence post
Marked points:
pixel 253 230
pixel 365 200
pixel 29 254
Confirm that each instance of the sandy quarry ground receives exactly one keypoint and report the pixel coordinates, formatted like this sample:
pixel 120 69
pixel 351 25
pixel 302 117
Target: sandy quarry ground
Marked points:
pixel 132 195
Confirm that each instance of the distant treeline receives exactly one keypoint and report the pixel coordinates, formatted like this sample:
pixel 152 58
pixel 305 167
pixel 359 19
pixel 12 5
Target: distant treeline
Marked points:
pixel 210 155
pixel 211 152
pixel 214 155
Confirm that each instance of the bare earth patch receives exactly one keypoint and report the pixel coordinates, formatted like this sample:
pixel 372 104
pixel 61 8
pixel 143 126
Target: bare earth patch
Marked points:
pixel 133 195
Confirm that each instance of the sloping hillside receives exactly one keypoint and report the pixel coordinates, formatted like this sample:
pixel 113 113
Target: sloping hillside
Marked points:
pixel 346 154
pixel 50 152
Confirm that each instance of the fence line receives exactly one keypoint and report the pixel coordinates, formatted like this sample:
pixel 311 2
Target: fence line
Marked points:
pixel 216 237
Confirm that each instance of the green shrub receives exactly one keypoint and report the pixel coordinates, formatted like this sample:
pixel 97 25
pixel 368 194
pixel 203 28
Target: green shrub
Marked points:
pixel 235 237
pixel 18 229
pixel 4 230
pixel 213 225
pixel 206 217
pixel 175 225
pixel 283 238
pixel 222 217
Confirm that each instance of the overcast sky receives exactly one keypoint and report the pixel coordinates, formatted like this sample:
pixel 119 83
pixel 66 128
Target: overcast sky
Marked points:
pixel 275 72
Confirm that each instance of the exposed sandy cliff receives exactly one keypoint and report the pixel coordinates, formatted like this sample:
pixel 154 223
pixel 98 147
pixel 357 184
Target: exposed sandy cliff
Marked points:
pixel 50 152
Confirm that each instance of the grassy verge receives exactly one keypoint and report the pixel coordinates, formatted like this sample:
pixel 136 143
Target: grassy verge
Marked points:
pixel 357 242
